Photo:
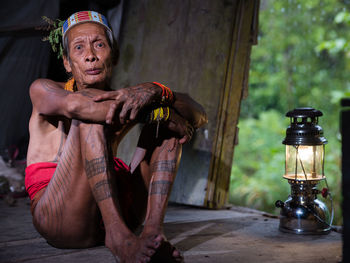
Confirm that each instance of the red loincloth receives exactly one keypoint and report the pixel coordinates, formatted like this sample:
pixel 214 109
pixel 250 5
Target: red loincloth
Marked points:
pixel 38 175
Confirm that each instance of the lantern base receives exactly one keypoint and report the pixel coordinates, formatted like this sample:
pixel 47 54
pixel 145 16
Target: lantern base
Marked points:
pixel 303 213
pixel 310 219
pixel 303 232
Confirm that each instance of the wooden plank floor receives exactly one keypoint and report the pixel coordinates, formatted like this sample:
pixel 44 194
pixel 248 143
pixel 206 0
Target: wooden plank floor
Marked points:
pixel 235 235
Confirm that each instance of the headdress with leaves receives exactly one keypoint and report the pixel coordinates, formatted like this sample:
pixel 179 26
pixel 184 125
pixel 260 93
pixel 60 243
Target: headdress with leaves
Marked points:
pixel 55 35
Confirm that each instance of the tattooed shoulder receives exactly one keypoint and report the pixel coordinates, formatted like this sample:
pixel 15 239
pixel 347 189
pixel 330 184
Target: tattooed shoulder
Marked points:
pixel 52 87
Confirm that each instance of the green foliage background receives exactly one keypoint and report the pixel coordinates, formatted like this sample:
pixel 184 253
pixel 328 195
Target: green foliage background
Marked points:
pixel 302 59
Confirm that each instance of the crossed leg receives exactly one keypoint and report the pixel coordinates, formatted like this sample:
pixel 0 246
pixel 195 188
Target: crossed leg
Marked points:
pixel 67 214
pixel 160 161
pixel 84 188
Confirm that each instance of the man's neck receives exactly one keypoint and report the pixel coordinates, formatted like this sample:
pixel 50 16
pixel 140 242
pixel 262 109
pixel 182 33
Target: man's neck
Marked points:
pixel 101 86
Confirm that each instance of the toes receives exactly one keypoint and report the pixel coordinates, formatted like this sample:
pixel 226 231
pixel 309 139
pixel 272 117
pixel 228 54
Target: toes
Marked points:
pixel 158 238
pixel 167 253
pixel 150 252
pixel 156 245
pixel 176 253
pixel 145 259
pixel 154 241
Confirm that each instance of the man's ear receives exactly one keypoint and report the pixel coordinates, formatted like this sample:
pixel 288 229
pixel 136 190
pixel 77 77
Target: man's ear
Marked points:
pixel 67 64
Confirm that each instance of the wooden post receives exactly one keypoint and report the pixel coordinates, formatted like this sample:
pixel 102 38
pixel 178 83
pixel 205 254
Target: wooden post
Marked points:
pixel 244 33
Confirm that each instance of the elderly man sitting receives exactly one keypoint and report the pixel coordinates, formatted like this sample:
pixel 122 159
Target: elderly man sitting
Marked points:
pixel 81 195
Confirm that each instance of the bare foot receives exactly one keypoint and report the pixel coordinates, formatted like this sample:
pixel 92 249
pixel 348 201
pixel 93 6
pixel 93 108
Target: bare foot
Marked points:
pixel 128 248
pixel 165 252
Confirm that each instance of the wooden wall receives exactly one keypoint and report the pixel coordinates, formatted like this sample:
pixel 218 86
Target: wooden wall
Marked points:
pixel 201 47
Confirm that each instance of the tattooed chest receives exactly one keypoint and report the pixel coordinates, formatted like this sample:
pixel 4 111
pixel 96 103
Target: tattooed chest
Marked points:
pixel 62 131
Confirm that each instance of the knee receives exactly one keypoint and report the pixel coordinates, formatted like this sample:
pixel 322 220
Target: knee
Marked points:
pixel 91 126
pixel 172 146
pixel 164 146
pixel 169 152
pixel 87 130
pixel 92 133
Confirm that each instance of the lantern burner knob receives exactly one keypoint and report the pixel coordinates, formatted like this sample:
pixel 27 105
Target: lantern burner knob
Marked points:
pixel 324 192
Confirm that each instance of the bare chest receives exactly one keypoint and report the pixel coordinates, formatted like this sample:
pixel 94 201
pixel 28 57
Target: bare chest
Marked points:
pixel 47 142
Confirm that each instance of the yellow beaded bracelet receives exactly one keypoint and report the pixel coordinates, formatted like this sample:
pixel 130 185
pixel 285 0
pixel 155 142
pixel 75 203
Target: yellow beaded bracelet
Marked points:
pixel 158 115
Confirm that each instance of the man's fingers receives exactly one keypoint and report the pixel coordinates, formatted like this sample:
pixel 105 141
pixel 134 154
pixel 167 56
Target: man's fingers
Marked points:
pixel 106 96
pixel 110 113
pixel 183 140
pixel 133 113
pixel 123 115
pixel 192 129
pixel 189 133
pixel 102 97
pixel 97 98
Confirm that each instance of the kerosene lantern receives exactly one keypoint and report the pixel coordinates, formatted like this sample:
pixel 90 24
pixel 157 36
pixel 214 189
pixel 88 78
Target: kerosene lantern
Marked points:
pixel 302 212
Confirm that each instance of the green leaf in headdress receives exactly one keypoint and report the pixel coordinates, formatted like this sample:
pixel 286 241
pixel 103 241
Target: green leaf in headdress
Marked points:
pixel 55 35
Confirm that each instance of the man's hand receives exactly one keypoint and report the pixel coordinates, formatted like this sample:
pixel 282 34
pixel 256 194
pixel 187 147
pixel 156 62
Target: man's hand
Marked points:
pixel 130 101
pixel 180 126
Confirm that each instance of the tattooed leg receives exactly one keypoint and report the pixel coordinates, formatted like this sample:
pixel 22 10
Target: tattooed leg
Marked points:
pixel 161 159
pixel 163 167
pixel 119 239
pixel 67 214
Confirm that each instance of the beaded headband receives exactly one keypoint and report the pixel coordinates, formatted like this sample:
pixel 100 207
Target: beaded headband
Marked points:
pixel 83 17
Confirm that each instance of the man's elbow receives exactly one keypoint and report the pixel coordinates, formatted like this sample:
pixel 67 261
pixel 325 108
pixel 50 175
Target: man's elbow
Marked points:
pixel 35 89
pixel 36 93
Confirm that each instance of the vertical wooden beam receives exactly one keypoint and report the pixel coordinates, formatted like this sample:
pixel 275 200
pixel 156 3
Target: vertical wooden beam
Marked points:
pixel 244 33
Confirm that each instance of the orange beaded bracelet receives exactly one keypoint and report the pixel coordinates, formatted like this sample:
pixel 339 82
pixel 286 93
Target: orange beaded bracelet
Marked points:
pixel 167 94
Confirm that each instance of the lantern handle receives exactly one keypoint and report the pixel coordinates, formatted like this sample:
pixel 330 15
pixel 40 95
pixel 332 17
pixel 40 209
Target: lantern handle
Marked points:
pixel 319 218
pixel 332 207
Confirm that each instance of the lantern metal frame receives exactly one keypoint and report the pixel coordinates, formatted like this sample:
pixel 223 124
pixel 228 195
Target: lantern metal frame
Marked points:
pixel 302 212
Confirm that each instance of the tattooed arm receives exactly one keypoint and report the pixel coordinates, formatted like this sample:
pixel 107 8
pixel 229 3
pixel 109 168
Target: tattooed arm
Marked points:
pixel 50 99
pixel 132 100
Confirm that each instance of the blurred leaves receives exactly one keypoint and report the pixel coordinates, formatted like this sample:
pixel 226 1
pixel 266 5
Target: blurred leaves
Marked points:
pixel 258 165
pixel 342 17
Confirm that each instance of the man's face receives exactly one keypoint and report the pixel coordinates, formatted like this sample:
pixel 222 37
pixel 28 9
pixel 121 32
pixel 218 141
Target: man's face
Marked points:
pixel 90 55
